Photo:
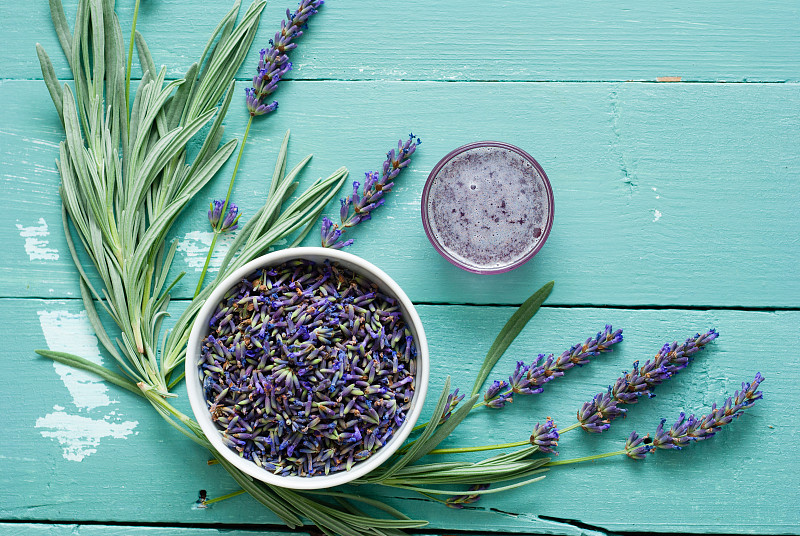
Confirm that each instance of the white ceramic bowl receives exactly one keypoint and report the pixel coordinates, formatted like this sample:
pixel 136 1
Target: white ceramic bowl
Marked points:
pixel 200 331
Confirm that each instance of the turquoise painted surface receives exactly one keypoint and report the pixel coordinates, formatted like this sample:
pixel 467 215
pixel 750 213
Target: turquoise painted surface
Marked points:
pixel 676 204
pixel 149 473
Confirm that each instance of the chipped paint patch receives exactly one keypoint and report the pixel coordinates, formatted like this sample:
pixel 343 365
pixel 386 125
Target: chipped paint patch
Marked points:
pixel 72 333
pixel 80 436
pixel 37 248
pixel 194 247
pixel 656 215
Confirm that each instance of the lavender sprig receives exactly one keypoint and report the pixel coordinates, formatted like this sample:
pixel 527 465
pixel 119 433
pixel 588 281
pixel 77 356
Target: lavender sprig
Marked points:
pixel 272 65
pixel 595 416
pixel 686 430
pixel 372 194
pixel 274 62
pixel 530 379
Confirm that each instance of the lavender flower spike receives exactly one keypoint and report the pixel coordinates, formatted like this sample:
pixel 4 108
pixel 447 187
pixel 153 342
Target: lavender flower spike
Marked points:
pixel 671 359
pixel 530 379
pixel 372 194
pixel 274 62
pixel 545 436
pixel 596 416
pixel 684 431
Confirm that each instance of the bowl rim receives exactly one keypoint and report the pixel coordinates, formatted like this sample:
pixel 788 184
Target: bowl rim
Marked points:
pixel 426 224
pixel 200 330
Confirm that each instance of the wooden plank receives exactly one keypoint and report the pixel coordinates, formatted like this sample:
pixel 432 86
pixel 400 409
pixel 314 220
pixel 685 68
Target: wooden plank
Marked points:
pixel 449 40
pixel 133 468
pixel 44 529
pixel 665 194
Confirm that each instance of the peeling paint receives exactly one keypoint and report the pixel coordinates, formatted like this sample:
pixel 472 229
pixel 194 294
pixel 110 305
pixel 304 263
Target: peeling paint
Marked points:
pixel 80 436
pixel 656 215
pixel 72 333
pixel 37 248
pixel 194 247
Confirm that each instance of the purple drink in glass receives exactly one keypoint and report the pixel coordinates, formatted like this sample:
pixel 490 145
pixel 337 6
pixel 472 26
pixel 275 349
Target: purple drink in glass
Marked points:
pixel 487 207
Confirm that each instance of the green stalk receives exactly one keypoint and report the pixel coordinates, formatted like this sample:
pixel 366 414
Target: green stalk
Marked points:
pixel 498 446
pixel 480 448
pixel 130 60
pixel 227 496
pixel 584 458
pixel 218 228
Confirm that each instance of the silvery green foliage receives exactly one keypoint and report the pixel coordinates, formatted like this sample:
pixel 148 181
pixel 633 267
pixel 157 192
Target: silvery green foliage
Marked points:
pixel 125 177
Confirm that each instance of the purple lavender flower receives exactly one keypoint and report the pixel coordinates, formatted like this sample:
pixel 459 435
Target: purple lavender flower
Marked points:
pixel 215 212
pixel 638 447
pixel 596 415
pixel 530 379
pixel 493 397
pixel 331 233
pixel 274 62
pixel 591 420
pixel 671 359
pixel 231 220
pixel 545 436
pixel 458 501
pixel 372 194
pixel 686 430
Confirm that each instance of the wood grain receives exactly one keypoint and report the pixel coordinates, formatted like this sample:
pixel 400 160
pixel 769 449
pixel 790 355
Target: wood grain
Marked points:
pixel 665 194
pixel 155 474
pixel 446 40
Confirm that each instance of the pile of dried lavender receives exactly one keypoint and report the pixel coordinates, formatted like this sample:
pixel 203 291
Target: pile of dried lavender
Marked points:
pixel 308 368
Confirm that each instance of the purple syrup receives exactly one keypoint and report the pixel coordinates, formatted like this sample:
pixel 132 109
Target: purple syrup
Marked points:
pixel 489 208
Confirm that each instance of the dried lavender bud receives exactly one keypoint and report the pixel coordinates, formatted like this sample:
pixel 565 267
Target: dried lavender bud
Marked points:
pixel 545 436
pixel 308 368
pixel 671 359
pixel 530 379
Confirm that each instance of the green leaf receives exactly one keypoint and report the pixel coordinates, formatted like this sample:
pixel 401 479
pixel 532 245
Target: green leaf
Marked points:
pixel 62 28
pixel 84 364
pixel 442 431
pixel 51 80
pixel 433 491
pixel 509 332
pixel 427 433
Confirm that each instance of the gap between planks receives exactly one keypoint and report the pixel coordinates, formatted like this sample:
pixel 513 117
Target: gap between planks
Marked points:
pixel 472 80
pixel 545 306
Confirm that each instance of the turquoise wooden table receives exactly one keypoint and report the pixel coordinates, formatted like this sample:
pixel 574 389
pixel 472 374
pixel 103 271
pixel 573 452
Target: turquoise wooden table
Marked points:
pixel 670 133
